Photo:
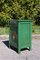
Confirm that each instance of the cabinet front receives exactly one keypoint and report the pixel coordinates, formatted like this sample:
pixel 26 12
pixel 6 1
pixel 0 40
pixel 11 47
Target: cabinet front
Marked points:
pixel 24 34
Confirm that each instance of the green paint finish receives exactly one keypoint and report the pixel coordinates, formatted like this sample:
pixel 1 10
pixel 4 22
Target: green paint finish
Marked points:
pixel 20 34
pixel 24 34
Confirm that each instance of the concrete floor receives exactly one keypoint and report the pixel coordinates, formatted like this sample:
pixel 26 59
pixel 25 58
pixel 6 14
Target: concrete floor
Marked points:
pixel 10 54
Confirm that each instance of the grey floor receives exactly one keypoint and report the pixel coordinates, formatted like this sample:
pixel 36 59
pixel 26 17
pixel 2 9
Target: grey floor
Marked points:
pixel 10 54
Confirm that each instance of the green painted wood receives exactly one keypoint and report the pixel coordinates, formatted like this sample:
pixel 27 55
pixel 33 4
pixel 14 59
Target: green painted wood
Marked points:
pixel 24 34
pixel 21 35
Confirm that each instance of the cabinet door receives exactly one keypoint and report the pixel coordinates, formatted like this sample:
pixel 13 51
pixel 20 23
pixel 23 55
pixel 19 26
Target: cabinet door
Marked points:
pixel 24 34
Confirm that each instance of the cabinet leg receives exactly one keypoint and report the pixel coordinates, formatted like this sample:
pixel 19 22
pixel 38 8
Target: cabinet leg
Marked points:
pixel 18 50
pixel 30 48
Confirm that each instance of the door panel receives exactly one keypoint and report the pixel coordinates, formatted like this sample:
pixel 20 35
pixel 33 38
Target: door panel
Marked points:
pixel 24 34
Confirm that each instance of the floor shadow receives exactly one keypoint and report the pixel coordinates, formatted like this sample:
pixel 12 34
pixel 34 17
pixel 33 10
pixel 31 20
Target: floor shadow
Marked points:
pixel 24 49
pixel 6 43
pixel 11 47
